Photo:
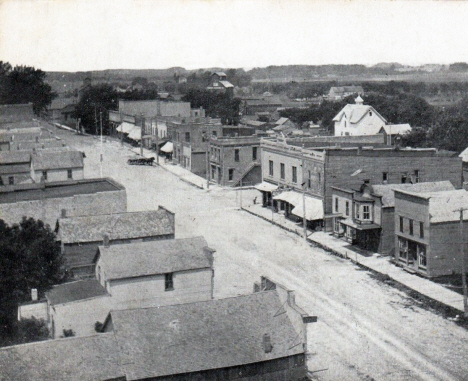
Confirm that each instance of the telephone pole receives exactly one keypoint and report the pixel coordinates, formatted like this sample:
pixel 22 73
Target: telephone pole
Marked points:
pixel 304 217
pixel 463 264
pixel 100 119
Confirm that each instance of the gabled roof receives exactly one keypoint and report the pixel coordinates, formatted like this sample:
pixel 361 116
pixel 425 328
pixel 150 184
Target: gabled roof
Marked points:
pixel 199 336
pixel 92 358
pixel 155 257
pixel 395 129
pixel 73 291
pixel 346 89
pixel 219 73
pixel 354 113
pixel 15 157
pixel 226 84
pixel 45 160
pixel 464 155
pixel 386 191
pixel 117 226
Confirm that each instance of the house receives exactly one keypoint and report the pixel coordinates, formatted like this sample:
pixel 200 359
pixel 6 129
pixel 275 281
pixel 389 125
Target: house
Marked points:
pixel 320 163
pixel 46 201
pixel 392 131
pixel 283 126
pixel 53 166
pixel 92 358
pixel 250 337
pixel 427 231
pixel 365 217
pixel 137 275
pixel 61 110
pixel 341 92
pixel 15 167
pixel 11 114
pixel 235 161
pixel 80 236
pixel 260 336
pixel 250 106
pixel 358 119
pixel 219 83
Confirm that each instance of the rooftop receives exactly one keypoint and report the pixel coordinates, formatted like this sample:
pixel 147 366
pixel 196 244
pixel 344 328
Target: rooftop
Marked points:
pixel 394 129
pixel 116 226
pixel 39 191
pixel 14 157
pixel 355 112
pixel 73 291
pixel 45 159
pixel 214 334
pixel 71 359
pixel 155 257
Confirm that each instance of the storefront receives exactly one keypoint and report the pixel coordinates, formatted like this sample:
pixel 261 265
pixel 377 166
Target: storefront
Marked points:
pixel 266 190
pixel 366 236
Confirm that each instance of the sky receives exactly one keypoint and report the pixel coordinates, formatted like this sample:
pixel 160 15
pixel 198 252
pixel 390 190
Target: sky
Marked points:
pixel 81 35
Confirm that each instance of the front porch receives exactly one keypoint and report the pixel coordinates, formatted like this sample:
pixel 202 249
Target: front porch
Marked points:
pixel 365 236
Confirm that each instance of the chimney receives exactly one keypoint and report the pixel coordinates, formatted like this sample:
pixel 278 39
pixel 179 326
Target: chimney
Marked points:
pixel 105 240
pixel 64 213
pixel 34 294
pixel 267 343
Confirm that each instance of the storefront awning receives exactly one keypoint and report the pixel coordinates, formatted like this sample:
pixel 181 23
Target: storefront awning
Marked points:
pixel 125 127
pixel 291 197
pixel 168 147
pixel 266 187
pixel 313 208
pixel 349 222
pixel 135 133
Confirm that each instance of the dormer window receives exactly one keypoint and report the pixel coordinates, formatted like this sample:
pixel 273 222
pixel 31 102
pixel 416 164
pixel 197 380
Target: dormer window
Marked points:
pixel 370 113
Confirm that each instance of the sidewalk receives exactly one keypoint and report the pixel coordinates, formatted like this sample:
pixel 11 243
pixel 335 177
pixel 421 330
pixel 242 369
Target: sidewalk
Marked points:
pixel 182 173
pixel 374 262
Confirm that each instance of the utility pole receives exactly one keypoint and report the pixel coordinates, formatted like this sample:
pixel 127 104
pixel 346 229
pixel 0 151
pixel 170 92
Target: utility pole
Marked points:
pixel 100 118
pixel 141 135
pixel 157 140
pixel 208 165
pixel 462 253
pixel 95 119
pixel 304 219
pixel 121 128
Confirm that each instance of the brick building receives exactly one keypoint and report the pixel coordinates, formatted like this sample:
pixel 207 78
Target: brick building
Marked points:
pixel 46 201
pixel 81 236
pixel 365 217
pixel 427 231
pixel 235 161
pixel 319 167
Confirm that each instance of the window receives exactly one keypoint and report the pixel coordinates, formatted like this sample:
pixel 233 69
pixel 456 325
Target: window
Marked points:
pixel 367 181
pixel 336 204
pixel 270 168
pixel 416 176
pixel 403 248
pixel 357 211
pixel 11 180
pixel 254 153
pixel 421 229
pixel 366 212
pixel 236 155
pixel 282 171
pixel 422 256
pixel 231 174
pixel 347 208
pixel 384 177
pixel 294 174
pixel 411 227
pixel 337 225
pixel 69 174
pixel 44 175
pixel 214 133
pixel 401 224
pixel 319 177
pixel 370 113
pixel 308 181
pixel 187 137
pixel 404 177
pixel 168 281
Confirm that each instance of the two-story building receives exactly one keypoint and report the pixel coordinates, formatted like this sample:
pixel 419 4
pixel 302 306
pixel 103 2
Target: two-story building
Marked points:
pixel 80 236
pixel 365 217
pixel 219 83
pixel 135 275
pixel 427 231
pixel 235 161
pixel 15 167
pixel 319 166
pixel 358 119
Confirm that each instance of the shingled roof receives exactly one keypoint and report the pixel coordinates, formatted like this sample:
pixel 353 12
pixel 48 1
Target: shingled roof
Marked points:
pixel 71 359
pixel 45 160
pixel 116 226
pixel 155 257
pixel 199 336
pixel 355 113
pixel 15 157
pixel 73 291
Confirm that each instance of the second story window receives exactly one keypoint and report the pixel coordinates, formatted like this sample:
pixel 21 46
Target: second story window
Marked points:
pixel 44 175
pixel 270 168
pixel 366 212
pixel 236 155
pixel 401 224
pixel 336 204
pixel 308 180
pixel 187 137
pixel 168 282
pixel 11 180
pixel 421 229
pixel 384 177
pixel 254 153
pixel 411 227
pixel 282 174
pixel 69 174
pixel 358 216
pixel 347 208
pixel 294 175
pixel 416 176
pixel 231 174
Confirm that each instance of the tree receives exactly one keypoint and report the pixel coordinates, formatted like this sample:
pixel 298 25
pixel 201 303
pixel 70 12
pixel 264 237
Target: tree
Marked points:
pixel 95 100
pixel 31 258
pixel 24 84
